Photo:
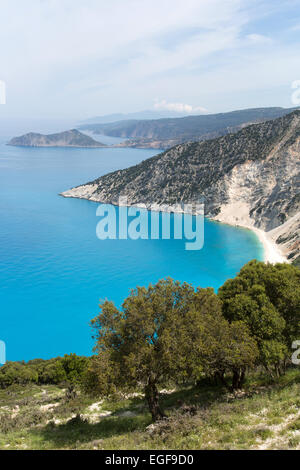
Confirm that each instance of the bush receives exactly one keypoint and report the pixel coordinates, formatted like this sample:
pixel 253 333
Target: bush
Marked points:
pixel 68 369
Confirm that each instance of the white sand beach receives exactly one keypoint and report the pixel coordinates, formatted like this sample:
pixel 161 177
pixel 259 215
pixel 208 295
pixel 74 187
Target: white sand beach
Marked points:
pixel 272 252
pixel 237 213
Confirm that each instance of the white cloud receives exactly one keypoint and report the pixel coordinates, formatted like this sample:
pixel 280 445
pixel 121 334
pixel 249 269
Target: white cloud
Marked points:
pixel 95 57
pixel 258 39
pixel 50 52
pixel 179 107
pixel 295 27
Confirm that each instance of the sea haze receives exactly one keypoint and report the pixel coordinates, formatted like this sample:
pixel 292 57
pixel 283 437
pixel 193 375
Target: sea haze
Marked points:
pixel 54 270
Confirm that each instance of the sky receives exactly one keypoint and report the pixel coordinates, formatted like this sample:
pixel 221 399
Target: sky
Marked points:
pixel 74 59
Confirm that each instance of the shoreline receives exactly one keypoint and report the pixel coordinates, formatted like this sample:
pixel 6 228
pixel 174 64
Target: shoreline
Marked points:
pixel 271 251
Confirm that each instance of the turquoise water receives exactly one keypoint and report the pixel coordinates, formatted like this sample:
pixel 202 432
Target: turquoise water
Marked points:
pixel 54 270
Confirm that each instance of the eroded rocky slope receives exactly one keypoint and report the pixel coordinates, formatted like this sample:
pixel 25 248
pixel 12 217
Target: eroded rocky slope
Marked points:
pixel 250 178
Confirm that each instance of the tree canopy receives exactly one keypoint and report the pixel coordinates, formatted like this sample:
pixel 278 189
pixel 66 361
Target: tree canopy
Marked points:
pixel 166 332
pixel 267 299
pixel 171 332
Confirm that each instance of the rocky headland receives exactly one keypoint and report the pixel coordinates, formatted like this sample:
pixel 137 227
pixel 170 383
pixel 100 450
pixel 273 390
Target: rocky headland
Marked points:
pixel 250 178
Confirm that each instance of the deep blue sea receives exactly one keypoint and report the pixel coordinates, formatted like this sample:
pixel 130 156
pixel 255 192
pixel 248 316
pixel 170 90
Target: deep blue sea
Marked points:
pixel 53 268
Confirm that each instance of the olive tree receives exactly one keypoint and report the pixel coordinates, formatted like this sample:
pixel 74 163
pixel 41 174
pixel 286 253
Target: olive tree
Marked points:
pixel 223 348
pixel 267 299
pixel 146 343
pixel 165 332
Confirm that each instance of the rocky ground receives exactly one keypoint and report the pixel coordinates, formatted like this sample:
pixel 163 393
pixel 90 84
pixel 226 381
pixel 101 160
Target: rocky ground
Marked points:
pixel 265 415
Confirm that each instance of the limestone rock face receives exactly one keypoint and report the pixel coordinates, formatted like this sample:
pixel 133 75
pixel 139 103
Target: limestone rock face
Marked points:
pixel 250 178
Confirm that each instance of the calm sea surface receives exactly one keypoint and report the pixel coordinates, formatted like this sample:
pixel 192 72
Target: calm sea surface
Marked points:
pixel 54 270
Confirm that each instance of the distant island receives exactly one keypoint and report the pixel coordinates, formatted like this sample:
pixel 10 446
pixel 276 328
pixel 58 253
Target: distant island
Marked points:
pixel 160 134
pixel 72 138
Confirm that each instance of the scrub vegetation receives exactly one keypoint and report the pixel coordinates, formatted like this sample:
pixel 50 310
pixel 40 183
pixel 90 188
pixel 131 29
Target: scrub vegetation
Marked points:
pixel 174 368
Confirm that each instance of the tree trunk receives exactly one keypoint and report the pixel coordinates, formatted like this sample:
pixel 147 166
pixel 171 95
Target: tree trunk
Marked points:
pixel 221 377
pixel 235 380
pixel 71 392
pixel 238 379
pixel 242 377
pixel 152 397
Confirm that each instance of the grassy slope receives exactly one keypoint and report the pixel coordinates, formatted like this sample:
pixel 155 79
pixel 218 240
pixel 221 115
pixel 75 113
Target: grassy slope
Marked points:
pixel 265 416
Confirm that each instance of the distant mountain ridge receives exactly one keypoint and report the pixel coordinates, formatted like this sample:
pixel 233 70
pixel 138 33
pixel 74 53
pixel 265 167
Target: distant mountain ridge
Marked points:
pixel 138 115
pixel 165 133
pixel 72 138
pixel 250 178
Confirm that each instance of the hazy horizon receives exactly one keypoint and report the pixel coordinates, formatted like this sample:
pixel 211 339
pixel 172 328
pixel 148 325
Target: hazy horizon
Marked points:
pixel 65 62
pixel 12 127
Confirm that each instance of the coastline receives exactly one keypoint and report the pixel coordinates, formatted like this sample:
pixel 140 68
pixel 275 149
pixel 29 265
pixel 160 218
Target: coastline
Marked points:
pixel 272 252
pixel 237 213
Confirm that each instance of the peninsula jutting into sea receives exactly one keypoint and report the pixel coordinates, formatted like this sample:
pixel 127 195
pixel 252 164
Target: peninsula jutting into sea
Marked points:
pixel 72 138
pixel 168 132
pixel 250 178
pixel 235 174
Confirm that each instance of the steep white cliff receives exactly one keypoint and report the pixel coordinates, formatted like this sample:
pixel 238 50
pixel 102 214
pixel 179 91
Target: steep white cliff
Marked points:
pixel 251 179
